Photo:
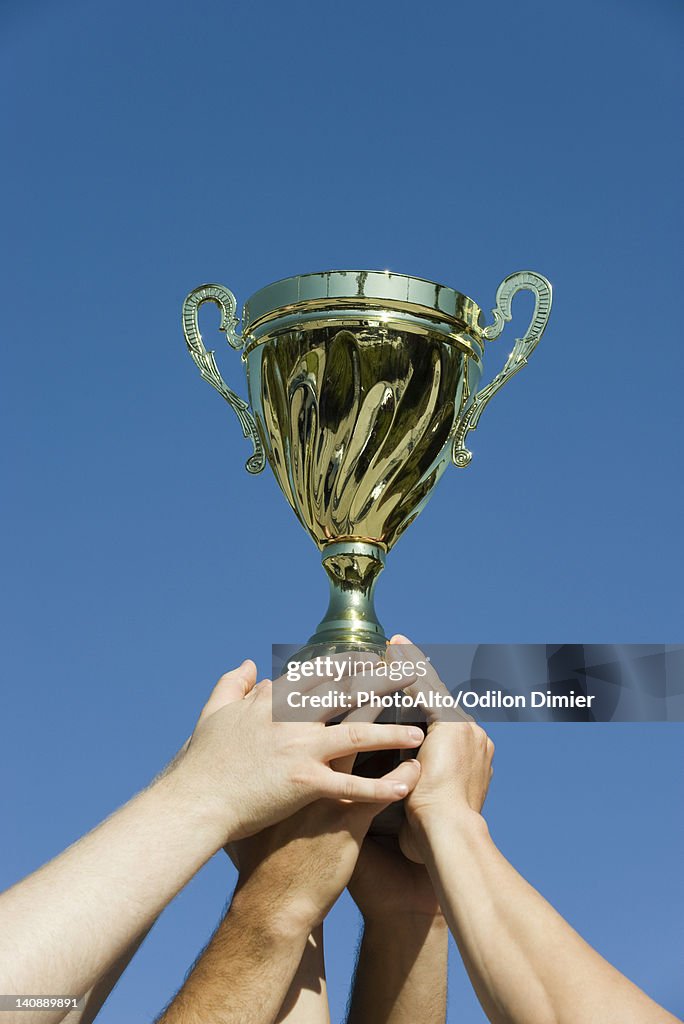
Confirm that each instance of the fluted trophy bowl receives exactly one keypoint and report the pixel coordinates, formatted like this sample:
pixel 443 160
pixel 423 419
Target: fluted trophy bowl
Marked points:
pixel 363 386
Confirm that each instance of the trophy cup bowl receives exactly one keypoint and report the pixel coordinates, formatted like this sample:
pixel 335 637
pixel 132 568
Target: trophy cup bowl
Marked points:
pixel 363 387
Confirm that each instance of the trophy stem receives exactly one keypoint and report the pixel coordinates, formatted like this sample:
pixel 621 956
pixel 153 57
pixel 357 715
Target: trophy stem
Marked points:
pixel 350 622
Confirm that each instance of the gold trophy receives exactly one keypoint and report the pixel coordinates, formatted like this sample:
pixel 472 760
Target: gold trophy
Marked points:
pixel 363 387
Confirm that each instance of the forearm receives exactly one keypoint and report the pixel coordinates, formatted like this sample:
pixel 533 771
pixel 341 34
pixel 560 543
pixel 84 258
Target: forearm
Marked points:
pixel 307 999
pixel 401 974
pixel 102 989
pixel 527 965
pixel 246 971
pixel 66 925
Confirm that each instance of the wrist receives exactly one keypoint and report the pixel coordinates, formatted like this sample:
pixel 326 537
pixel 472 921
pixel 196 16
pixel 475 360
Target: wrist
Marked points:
pixel 461 838
pixel 187 799
pixel 430 826
pixel 282 915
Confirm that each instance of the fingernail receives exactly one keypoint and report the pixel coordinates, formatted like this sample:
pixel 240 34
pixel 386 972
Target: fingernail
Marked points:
pixel 412 760
pixel 400 788
pixel 416 734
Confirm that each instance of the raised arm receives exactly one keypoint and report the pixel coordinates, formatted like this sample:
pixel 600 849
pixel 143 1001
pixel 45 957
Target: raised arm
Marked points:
pixel 64 927
pixel 401 973
pixel 265 963
pixel 527 965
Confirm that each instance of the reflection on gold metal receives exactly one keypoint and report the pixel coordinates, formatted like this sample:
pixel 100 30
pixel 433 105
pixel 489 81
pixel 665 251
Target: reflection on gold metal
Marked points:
pixel 363 387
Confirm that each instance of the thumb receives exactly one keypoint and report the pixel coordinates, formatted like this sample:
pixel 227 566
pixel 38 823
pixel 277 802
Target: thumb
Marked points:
pixel 399 640
pixel 407 772
pixel 232 686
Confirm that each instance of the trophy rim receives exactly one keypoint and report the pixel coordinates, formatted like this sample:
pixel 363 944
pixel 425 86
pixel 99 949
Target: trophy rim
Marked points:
pixel 362 288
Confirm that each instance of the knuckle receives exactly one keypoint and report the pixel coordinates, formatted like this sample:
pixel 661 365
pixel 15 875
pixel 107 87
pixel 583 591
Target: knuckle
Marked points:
pixel 354 735
pixel 347 788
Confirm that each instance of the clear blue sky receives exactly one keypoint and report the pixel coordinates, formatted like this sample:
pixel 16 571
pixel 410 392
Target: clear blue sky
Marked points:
pixel 150 147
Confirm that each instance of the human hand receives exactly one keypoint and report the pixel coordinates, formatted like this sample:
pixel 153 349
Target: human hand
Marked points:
pixel 456 767
pixel 299 867
pixel 249 772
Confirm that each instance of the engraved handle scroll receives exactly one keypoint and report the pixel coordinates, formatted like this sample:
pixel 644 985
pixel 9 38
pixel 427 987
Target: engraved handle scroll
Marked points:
pixel 523 348
pixel 206 363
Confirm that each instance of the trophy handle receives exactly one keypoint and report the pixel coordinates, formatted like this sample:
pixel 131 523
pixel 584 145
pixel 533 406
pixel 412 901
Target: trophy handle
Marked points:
pixel 205 362
pixel 510 286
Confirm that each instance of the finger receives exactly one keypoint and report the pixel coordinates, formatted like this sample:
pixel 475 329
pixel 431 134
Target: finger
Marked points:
pixel 361 813
pixel 346 739
pixel 363 714
pixel 337 786
pixel 367 713
pixel 400 648
pixel 408 647
pixel 232 686
pixel 431 688
pixel 343 764
pixel 407 772
pixel 350 690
